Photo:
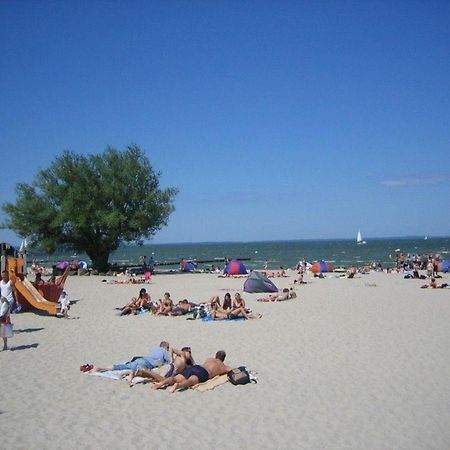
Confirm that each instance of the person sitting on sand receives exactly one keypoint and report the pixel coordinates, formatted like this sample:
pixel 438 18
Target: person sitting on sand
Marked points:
pixel 217 313
pixel 143 300
pixel 196 374
pixel 238 307
pixel 300 280
pixel 165 306
pixel 285 295
pixel 181 359
pixel 155 358
pixel 226 305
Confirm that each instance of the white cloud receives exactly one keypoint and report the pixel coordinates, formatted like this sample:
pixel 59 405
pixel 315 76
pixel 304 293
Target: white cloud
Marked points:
pixel 415 181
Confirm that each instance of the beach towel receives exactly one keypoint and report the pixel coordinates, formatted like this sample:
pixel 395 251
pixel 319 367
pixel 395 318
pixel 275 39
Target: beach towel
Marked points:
pixel 230 319
pixel 117 374
pixel 211 384
pixel 202 387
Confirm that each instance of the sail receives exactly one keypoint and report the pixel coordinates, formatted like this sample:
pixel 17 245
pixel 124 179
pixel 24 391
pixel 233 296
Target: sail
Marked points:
pixel 359 237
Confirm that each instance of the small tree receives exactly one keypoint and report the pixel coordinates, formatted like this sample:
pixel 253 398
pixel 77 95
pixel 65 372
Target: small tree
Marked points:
pixel 93 203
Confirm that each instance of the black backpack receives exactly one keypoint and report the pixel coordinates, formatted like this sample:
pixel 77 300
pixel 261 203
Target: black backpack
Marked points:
pixel 239 375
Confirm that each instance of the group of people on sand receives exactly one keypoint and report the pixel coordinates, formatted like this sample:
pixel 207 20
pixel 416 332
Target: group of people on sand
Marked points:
pixel 182 372
pixel 433 285
pixel 228 309
pixel 163 307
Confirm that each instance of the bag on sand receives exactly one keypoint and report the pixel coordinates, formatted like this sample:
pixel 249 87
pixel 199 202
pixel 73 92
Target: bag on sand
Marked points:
pixel 240 375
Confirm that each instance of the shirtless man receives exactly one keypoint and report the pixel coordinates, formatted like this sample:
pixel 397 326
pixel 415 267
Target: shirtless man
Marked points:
pixel 181 359
pixel 196 374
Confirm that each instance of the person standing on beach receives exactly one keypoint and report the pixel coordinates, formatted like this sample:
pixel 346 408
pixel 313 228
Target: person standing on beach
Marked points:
pixel 8 290
pixel 5 322
pixel 151 265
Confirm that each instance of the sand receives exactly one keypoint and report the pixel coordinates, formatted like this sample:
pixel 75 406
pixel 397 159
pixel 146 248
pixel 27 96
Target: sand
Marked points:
pixel 349 364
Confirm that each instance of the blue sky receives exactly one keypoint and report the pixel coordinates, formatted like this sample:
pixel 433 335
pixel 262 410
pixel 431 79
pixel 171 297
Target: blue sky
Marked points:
pixel 276 120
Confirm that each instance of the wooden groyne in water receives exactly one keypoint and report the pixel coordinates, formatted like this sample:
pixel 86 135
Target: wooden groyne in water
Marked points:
pixel 139 268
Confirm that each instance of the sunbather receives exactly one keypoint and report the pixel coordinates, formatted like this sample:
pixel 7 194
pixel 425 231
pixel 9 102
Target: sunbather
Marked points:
pixel 238 307
pixel 143 300
pixel 156 357
pixel 182 307
pixel 219 311
pixel 181 359
pixel 165 305
pixel 285 295
pixel 196 374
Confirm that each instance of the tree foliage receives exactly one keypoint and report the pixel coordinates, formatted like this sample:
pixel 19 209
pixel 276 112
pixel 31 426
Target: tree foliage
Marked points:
pixel 92 203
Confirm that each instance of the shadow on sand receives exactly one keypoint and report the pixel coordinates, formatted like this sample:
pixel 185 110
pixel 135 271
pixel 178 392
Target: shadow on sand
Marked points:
pixel 24 347
pixel 28 330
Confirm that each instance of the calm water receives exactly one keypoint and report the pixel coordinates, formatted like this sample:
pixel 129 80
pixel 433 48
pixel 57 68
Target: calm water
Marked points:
pixel 279 253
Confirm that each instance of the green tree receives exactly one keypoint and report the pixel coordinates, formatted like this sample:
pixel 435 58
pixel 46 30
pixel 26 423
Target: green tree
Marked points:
pixel 92 203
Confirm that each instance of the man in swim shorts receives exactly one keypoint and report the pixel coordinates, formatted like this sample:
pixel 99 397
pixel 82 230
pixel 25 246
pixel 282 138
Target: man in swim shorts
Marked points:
pixel 181 360
pixel 196 374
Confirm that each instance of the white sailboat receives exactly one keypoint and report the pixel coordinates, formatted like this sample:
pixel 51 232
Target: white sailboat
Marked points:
pixel 359 239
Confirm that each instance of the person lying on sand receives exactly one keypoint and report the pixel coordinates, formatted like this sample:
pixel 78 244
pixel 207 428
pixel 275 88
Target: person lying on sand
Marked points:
pixel 196 374
pixel 182 307
pixel 181 359
pixel 434 285
pixel 156 357
pixel 285 295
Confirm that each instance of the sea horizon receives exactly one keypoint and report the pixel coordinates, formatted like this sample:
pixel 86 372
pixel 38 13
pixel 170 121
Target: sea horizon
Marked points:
pixel 278 253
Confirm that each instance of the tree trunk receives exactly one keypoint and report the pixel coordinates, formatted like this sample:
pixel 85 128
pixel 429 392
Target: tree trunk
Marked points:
pixel 99 260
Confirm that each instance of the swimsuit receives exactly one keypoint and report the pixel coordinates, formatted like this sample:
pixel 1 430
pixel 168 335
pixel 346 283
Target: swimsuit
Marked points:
pixel 200 372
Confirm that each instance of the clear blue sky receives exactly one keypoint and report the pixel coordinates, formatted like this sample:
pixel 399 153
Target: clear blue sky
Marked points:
pixel 276 120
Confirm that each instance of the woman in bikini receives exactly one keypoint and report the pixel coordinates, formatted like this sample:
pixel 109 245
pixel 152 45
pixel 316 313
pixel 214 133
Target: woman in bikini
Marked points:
pixel 238 307
pixel 143 300
pixel 166 305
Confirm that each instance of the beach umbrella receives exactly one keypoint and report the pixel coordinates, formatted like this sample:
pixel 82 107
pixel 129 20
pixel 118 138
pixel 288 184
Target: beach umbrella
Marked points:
pixel 321 267
pixel 62 265
pixel 235 267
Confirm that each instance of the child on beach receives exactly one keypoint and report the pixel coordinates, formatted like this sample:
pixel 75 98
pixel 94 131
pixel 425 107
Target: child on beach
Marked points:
pixel 64 301
pixel 5 322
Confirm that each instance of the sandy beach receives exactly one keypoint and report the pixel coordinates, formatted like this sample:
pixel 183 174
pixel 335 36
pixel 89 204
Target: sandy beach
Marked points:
pixel 358 363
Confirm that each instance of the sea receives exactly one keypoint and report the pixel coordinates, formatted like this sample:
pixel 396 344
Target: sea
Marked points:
pixel 286 254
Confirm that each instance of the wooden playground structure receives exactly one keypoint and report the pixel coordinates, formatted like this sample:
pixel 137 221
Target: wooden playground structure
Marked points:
pixel 44 297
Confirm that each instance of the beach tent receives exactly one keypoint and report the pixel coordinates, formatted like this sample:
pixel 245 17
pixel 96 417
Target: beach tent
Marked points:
pixel 235 267
pixel 321 267
pixel 257 282
pixel 188 266
pixel 62 265
pixel 444 266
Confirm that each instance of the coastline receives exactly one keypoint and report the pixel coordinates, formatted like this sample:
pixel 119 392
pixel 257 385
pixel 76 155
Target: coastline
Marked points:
pixel 350 363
